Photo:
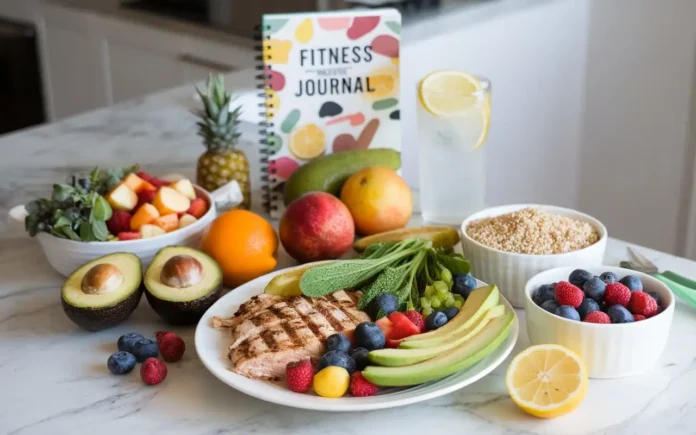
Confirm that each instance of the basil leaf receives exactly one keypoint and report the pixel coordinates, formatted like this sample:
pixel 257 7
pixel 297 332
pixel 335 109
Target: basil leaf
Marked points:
pixel 71 234
pixel 99 230
pixel 455 263
pixel 61 192
pixel 62 222
pixel 101 210
pixel 33 206
pixel 86 232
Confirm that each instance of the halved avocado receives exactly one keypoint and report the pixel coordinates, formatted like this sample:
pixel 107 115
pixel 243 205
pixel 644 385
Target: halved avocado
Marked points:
pixel 181 283
pixel 104 292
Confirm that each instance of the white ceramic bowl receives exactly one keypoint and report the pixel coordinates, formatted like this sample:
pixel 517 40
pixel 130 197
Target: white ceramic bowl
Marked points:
pixel 510 271
pixel 609 351
pixel 66 255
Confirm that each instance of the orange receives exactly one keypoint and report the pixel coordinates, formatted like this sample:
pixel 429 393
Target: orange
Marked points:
pixel 243 244
pixel 378 199
pixel 308 142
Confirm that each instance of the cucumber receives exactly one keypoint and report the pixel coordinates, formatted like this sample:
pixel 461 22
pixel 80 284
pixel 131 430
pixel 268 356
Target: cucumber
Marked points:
pixel 328 173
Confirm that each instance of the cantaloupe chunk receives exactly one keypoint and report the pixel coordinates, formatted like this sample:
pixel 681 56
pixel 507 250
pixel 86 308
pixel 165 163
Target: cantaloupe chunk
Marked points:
pixel 149 230
pixel 184 187
pixel 137 184
pixel 186 220
pixel 168 223
pixel 169 201
pixel 146 214
pixel 122 198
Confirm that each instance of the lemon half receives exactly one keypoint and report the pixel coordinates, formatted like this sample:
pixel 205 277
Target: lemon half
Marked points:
pixel 547 380
pixel 451 93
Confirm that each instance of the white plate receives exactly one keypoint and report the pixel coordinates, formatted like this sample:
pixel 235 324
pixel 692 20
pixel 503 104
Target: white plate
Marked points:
pixel 212 344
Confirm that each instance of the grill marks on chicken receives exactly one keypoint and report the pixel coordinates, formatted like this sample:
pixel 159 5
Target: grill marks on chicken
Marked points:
pixel 269 331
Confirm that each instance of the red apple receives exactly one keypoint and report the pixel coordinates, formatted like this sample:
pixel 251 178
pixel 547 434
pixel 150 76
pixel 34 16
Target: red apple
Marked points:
pixel 316 226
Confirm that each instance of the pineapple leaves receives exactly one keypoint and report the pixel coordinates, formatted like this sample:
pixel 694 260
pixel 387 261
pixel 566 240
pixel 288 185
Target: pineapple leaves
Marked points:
pixel 218 124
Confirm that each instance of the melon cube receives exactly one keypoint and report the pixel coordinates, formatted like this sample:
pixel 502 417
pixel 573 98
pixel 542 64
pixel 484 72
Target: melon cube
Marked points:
pixel 186 220
pixel 146 214
pixel 184 187
pixel 122 198
pixel 149 230
pixel 168 223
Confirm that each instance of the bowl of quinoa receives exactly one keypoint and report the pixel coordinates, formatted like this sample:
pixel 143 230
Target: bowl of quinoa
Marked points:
pixel 508 245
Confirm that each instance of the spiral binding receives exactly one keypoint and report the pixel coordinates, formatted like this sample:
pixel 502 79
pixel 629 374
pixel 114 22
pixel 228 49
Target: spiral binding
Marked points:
pixel 270 198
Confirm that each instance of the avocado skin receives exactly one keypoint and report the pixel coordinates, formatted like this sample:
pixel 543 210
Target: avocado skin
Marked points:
pixel 97 319
pixel 183 313
pixel 329 172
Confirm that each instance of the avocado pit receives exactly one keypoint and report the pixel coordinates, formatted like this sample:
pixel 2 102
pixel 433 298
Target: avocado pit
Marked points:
pixel 102 278
pixel 181 271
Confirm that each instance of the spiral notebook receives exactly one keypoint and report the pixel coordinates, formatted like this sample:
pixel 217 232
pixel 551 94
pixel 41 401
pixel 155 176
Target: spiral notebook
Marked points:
pixel 330 83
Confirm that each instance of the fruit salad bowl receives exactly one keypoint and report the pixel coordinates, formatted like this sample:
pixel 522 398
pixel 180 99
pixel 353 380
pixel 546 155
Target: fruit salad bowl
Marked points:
pixel 66 255
pixel 609 350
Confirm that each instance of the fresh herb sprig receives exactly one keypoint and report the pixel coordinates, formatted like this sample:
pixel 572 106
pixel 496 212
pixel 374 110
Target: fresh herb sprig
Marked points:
pixel 390 267
pixel 78 210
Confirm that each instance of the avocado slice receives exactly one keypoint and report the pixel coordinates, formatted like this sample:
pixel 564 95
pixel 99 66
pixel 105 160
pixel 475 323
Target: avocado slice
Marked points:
pixel 477 304
pixel 406 357
pixel 181 283
pixel 473 351
pixel 103 292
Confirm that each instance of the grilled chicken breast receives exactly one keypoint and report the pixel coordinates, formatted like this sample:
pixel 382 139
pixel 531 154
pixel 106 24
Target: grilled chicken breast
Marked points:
pixel 269 331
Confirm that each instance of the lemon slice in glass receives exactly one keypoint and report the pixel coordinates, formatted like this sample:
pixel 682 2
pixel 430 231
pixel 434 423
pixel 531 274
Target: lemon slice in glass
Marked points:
pixel 451 93
pixel 547 380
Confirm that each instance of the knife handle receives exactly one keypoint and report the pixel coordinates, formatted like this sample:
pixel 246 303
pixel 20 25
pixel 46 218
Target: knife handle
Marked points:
pixel 684 293
pixel 686 282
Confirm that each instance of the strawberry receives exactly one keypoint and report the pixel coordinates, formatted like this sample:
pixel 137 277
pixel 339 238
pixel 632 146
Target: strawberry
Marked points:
pixel 393 344
pixel 417 319
pixel 152 180
pixel 642 304
pixel 146 197
pixel 361 387
pixel 198 208
pixel 171 347
pixel 144 175
pixel 119 222
pixel 403 327
pixel 617 293
pixel 298 375
pixel 129 235
pixel 568 294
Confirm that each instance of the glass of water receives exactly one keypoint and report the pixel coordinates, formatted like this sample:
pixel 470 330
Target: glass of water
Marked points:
pixel 453 118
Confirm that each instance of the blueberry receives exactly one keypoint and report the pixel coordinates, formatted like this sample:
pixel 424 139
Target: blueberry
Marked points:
pixel 369 336
pixel 359 355
pixel 632 282
pixel 450 312
pixel 578 277
pixel 121 363
pixel 337 358
pixel 144 349
pixel 463 284
pixel 587 306
pixel 594 289
pixel 619 314
pixel 386 302
pixel 435 320
pixel 550 305
pixel 608 277
pixel 126 341
pixel 567 312
pixel 543 294
pixel 655 296
pixel 337 342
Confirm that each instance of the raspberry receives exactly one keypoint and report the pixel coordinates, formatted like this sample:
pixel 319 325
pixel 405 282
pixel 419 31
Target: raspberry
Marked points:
pixel 145 197
pixel 568 294
pixel 642 304
pixel 298 375
pixel 171 347
pixel 617 293
pixel 638 317
pixel 417 319
pixel 597 317
pixel 159 335
pixel 119 222
pixel 153 371
pixel 361 387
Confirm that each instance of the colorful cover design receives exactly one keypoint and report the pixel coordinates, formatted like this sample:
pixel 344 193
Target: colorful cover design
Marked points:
pixel 331 84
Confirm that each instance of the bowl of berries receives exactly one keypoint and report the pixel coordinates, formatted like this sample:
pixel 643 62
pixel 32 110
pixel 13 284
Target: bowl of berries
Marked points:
pixel 617 320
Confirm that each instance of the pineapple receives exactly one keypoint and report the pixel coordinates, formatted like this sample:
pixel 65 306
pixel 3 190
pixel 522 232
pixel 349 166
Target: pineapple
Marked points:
pixel 217 126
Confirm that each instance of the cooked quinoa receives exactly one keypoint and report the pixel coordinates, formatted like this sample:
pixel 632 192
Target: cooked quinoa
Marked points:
pixel 533 231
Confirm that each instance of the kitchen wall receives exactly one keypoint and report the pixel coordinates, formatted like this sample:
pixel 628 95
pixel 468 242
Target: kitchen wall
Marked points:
pixel 22 10
pixel 535 59
pixel 637 157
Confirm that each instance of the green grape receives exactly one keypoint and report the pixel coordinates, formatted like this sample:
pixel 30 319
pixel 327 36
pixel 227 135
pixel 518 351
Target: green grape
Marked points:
pixel 450 300
pixel 459 298
pixel 446 275
pixel 441 287
pixel 425 303
pixel 458 304
pixel 442 297
pixel 429 290
pixel 435 303
pixel 426 311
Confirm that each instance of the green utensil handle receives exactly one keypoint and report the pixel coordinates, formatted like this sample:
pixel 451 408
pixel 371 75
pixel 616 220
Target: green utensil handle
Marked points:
pixel 686 282
pixel 684 293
